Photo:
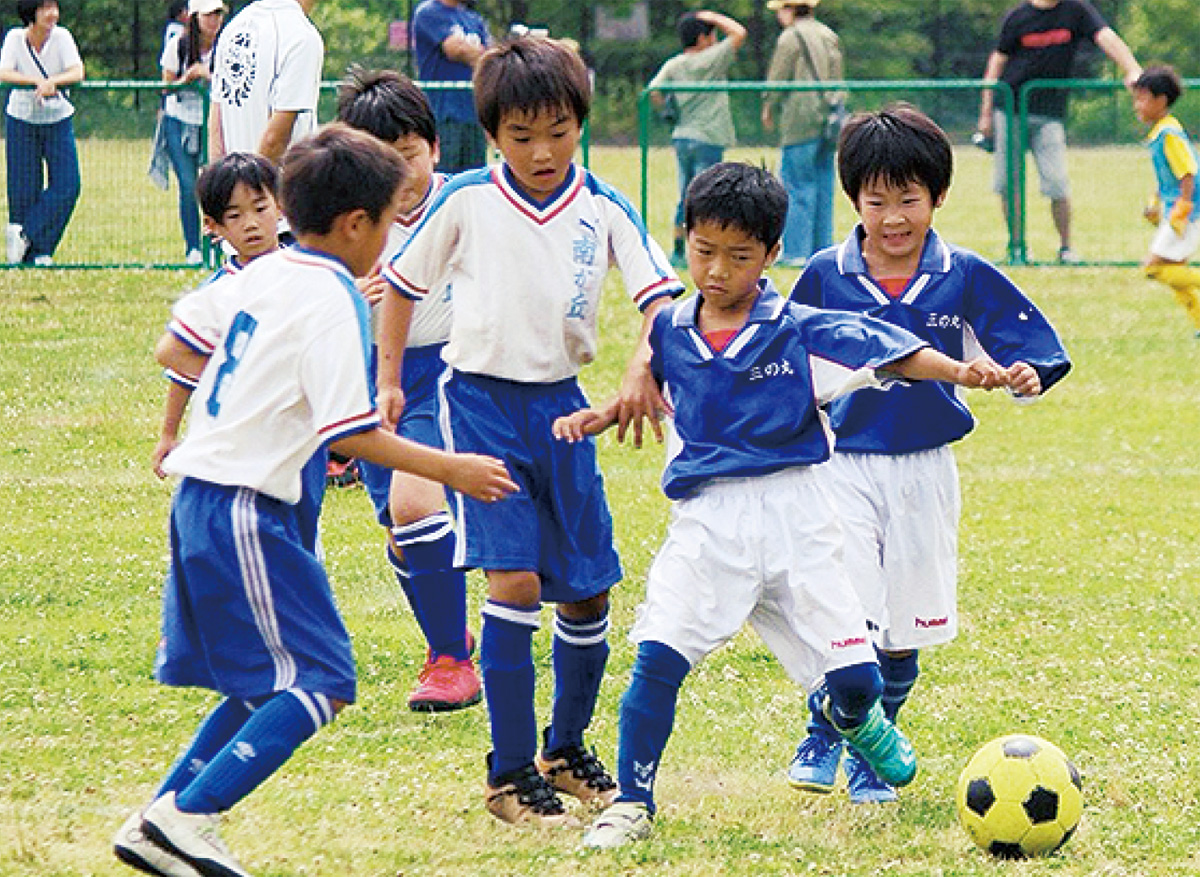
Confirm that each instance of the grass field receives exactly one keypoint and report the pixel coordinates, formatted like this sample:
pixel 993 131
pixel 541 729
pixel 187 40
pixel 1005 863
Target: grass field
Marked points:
pixel 1079 595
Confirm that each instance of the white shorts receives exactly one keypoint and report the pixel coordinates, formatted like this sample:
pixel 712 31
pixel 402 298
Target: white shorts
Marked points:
pixel 1048 143
pixel 766 550
pixel 900 516
pixel 1174 247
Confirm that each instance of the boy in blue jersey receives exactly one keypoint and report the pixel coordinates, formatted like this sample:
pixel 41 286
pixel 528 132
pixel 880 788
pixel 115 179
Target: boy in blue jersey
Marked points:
pixel 893 476
pixel 526 246
pixel 247 607
pixel 1174 208
pixel 421 542
pixel 753 534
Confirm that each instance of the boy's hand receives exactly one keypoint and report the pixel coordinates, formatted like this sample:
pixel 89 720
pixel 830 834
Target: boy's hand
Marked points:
pixel 983 374
pixel 1153 212
pixel 165 445
pixel 372 287
pixel 640 400
pixel 484 478
pixel 1023 380
pixel 389 400
pixel 1180 216
pixel 585 422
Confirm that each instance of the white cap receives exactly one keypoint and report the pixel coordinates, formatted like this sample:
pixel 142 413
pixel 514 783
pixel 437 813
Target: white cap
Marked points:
pixel 199 7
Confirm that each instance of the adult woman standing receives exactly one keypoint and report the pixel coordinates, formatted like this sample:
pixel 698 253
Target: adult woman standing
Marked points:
pixel 40 58
pixel 185 59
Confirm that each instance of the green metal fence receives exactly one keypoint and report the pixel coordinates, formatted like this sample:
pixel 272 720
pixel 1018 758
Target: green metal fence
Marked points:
pixel 1110 173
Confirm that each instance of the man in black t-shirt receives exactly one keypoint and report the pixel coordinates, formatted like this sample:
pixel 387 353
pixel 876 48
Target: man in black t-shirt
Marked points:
pixel 1039 40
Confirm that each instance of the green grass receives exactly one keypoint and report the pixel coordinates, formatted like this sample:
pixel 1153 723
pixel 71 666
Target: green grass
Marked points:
pixel 1078 591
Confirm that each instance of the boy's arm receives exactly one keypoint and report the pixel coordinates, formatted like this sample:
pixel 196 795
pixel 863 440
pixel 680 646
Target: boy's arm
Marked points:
pixel 178 395
pixel 1112 45
pixel 484 478
pixel 640 397
pixel 996 63
pixel 1181 213
pixel 732 29
pixel 395 317
pixel 928 364
pixel 171 353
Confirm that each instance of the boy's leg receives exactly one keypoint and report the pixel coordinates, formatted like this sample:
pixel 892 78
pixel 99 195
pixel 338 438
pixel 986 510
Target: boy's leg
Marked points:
pixel 186 823
pixel 647 718
pixel 580 656
pixel 814 767
pixel 854 709
pixel 1184 281
pixel 131 844
pixel 515 791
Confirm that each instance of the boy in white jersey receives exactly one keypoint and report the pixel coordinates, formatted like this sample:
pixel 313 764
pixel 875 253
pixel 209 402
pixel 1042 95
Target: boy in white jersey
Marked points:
pixel 237 195
pixel 893 476
pixel 526 245
pixel 753 535
pixel 247 607
pixel 421 542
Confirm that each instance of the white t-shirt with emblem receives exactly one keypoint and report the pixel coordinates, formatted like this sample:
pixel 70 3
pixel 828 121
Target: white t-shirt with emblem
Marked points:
pixel 268 59
pixel 526 278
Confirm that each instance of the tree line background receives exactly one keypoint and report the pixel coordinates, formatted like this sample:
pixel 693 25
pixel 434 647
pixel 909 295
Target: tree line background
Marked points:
pixel 882 39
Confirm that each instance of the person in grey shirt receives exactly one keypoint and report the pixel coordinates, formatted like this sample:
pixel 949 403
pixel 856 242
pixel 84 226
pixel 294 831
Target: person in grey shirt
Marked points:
pixel 703 123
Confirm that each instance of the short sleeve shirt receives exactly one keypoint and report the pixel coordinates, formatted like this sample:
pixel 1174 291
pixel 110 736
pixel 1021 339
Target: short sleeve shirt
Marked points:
pixel 187 106
pixel 267 59
pixel 433 24
pixel 60 53
pixel 1041 44
pixel 703 115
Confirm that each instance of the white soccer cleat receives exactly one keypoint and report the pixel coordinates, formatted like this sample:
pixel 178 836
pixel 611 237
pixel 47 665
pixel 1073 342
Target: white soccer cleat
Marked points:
pixel 623 823
pixel 191 836
pixel 136 850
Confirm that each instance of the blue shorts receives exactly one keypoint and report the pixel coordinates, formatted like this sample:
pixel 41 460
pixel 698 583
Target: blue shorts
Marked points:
pixel 419 422
pixel 247 609
pixel 558 525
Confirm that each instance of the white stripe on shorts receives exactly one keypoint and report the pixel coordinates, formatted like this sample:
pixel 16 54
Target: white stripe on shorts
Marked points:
pixel 253 566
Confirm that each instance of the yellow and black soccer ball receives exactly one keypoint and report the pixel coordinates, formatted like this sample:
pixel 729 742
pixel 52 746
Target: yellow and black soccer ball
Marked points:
pixel 1019 796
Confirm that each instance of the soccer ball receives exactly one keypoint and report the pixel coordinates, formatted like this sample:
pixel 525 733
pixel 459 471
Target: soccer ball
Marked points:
pixel 1019 796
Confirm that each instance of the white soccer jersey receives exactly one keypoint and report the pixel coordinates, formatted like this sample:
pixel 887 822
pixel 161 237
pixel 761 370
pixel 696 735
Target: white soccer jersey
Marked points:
pixel 526 278
pixel 269 58
pixel 434 313
pixel 289 375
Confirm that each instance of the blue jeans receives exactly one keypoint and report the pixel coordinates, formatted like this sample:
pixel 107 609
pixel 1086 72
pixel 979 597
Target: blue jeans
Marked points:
pixel 41 200
pixel 807 173
pixel 692 157
pixel 183 149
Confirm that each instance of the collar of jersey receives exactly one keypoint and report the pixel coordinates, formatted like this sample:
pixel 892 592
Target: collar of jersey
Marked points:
pixel 539 212
pixel 935 255
pixel 768 307
pixel 304 256
pixel 408 220
pixel 1166 123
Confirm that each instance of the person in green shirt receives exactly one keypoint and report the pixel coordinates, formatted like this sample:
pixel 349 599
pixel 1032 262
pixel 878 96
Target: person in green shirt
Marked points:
pixel 703 123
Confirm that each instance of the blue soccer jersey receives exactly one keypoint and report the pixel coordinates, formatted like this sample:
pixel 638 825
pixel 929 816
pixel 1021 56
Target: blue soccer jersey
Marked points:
pixel 957 302
pixel 755 407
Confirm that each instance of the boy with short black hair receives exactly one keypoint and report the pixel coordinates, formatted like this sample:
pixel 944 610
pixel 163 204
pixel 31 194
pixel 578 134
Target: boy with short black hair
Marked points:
pixel 753 535
pixel 893 477
pixel 1174 208
pixel 421 540
pixel 247 608
pixel 526 246
pixel 237 195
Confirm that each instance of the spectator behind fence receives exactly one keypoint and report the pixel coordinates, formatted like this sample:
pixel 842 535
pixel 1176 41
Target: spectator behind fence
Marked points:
pixel 806 51
pixel 177 15
pixel 266 79
pixel 1038 40
pixel 703 123
pixel 185 59
pixel 40 58
pixel 448 38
